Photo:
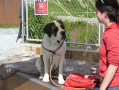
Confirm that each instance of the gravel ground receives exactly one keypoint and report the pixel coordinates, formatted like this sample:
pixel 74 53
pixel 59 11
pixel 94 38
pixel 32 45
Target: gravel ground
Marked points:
pixel 8 43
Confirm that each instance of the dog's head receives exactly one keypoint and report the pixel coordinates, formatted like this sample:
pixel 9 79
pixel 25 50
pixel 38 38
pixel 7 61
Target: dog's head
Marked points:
pixel 56 30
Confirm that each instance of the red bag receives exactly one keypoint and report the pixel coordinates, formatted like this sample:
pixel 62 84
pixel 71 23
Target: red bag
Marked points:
pixel 79 80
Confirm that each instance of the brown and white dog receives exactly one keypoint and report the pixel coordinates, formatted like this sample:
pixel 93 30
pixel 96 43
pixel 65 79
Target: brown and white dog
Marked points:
pixel 54 36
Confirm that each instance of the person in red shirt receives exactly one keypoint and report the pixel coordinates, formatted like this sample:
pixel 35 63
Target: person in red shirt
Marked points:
pixel 107 12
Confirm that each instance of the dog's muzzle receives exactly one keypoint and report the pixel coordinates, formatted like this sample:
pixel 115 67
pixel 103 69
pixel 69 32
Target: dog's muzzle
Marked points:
pixel 63 34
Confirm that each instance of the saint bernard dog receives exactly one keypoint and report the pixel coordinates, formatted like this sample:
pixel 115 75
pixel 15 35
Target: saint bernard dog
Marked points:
pixel 53 39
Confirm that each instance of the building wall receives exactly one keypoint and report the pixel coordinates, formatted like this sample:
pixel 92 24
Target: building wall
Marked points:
pixel 9 12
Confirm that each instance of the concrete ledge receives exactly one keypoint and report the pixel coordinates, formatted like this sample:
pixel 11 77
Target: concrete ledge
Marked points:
pixel 87 54
pixel 21 81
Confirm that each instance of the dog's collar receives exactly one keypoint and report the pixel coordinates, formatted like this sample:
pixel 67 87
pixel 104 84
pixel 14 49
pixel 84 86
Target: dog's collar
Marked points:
pixel 52 50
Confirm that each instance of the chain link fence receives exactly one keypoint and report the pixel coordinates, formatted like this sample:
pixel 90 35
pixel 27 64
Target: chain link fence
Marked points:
pixel 81 24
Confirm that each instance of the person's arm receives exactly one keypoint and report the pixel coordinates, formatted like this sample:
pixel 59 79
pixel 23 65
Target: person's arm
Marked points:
pixel 108 76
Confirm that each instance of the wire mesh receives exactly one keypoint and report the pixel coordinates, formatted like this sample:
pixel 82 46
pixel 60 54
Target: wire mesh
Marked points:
pixel 78 16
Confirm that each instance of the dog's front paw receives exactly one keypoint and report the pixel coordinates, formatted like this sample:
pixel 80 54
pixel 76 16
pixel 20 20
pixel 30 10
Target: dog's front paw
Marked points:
pixel 40 77
pixel 61 79
pixel 46 78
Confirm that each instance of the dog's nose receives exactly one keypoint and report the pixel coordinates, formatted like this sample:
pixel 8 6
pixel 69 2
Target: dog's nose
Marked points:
pixel 63 34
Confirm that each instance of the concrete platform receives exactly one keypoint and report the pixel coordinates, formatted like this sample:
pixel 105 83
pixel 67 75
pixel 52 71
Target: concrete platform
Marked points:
pixel 22 81
pixel 27 75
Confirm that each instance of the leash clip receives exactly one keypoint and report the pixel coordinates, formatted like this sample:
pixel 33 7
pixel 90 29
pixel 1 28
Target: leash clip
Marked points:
pixel 52 51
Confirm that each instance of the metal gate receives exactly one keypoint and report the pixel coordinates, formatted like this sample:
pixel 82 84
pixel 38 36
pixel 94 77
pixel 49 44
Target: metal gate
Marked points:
pixel 81 24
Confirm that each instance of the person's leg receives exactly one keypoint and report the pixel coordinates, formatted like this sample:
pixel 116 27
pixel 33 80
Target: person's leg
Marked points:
pixel 113 88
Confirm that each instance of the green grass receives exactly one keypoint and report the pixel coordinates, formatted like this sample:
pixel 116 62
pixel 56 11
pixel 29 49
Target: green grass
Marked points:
pixel 55 9
pixel 74 8
pixel 9 26
pixel 78 32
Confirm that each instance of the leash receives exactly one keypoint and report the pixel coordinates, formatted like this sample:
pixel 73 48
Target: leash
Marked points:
pixel 57 85
pixel 61 86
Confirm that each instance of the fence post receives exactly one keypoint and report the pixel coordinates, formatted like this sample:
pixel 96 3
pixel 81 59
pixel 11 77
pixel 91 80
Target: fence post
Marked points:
pixel 22 21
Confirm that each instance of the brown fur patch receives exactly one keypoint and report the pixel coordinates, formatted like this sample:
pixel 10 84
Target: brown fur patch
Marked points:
pixel 53 28
pixel 41 58
pixel 61 24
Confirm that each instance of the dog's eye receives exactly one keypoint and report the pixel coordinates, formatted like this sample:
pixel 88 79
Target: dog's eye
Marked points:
pixel 62 27
pixel 56 30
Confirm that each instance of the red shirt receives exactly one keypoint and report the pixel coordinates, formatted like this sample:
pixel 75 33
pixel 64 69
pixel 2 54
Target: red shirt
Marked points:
pixel 109 52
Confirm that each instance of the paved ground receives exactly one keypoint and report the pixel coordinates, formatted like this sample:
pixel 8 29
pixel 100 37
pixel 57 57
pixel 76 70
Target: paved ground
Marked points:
pixel 20 63
pixel 26 65
pixel 8 43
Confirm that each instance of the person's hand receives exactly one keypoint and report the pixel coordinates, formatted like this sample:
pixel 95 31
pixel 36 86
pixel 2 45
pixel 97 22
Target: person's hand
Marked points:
pixel 102 88
pixel 95 70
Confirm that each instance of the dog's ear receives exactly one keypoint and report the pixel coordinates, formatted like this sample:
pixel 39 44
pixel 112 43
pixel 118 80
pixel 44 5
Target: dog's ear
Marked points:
pixel 48 29
pixel 61 23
